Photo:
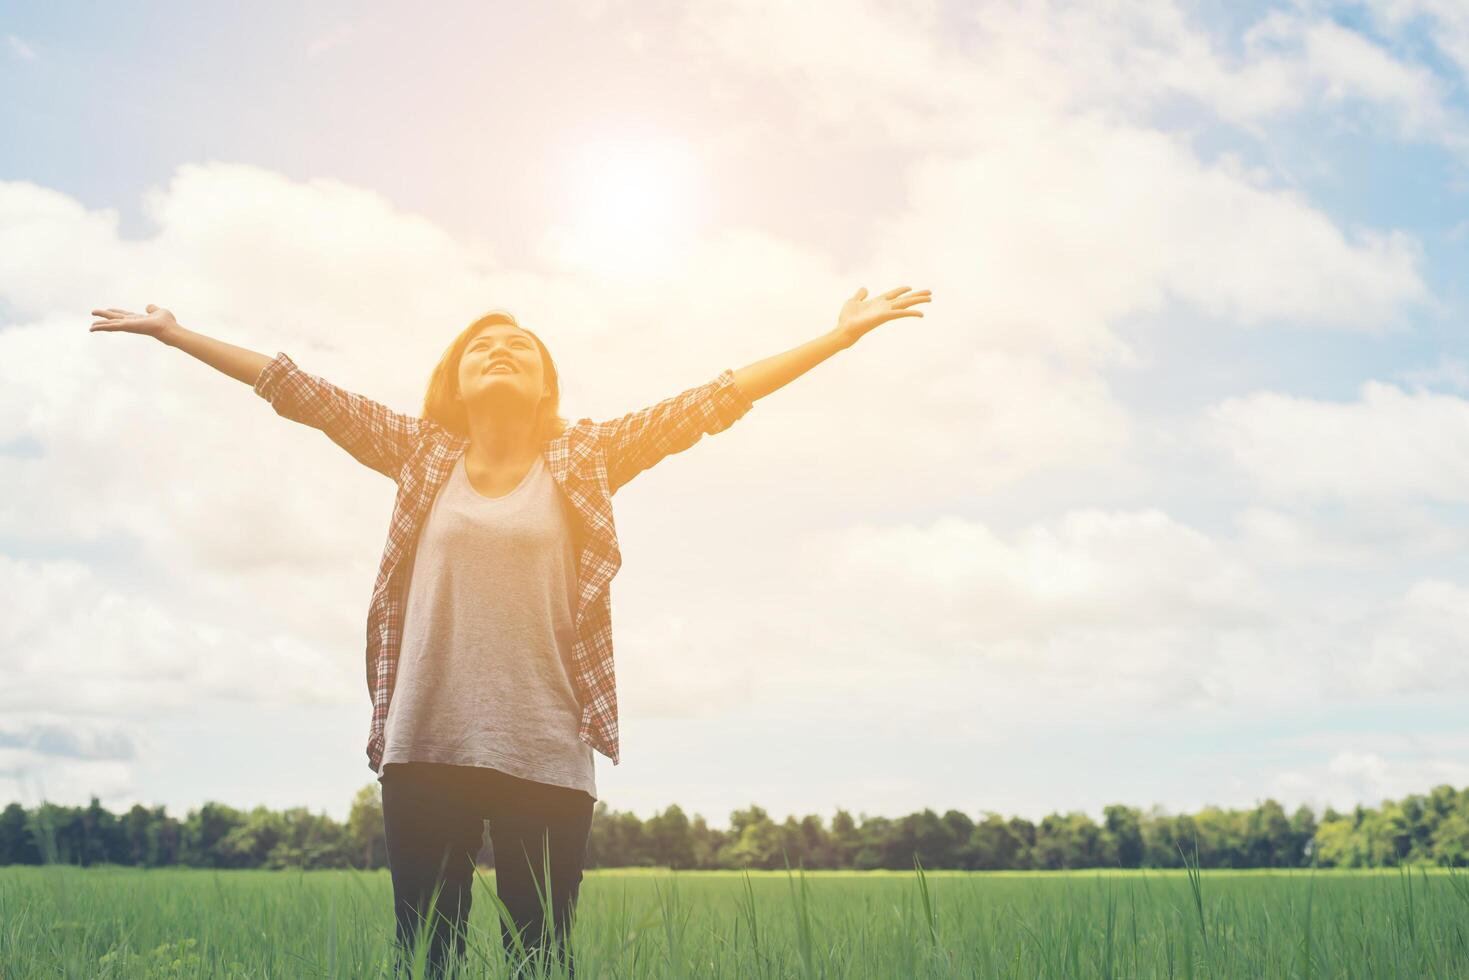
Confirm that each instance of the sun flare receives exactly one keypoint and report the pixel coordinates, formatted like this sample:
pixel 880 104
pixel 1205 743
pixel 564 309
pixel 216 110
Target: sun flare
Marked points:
pixel 630 209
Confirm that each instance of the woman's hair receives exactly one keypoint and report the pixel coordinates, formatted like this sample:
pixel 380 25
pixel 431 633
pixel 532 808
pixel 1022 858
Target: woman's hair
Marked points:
pixel 440 404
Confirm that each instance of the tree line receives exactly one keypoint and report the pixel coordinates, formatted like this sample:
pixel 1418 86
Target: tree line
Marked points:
pixel 1431 828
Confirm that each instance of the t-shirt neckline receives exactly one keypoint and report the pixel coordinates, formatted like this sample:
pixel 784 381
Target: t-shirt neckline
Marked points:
pixel 464 473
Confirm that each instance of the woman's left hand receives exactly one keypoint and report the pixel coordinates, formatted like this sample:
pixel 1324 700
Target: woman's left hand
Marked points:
pixel 860 314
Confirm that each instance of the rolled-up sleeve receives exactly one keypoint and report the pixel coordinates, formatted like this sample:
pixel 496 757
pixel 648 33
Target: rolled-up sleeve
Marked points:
pixel 271 374
pixel 638 440
pixel 372 433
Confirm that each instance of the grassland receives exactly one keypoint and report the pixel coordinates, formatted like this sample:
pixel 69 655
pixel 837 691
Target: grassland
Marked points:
pixel 65 921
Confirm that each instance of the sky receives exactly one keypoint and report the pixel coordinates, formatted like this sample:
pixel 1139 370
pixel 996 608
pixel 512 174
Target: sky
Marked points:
pixel 1159 503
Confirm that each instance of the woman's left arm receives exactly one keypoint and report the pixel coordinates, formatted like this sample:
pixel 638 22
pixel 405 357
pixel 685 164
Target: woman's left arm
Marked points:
pixel 858 316
pixel 636 441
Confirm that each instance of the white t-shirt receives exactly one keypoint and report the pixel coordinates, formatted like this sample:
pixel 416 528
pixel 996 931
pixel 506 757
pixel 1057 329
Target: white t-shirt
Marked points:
pixel 484 674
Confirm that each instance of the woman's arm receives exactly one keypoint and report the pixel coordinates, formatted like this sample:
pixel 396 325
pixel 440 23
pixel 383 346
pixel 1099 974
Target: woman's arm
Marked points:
pixel 158 323
pixel 372 433
pixel 857 317
pixel 635 441
pixel 640 439
pixel 239 363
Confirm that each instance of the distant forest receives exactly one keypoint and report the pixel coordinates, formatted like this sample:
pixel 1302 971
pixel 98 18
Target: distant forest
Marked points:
pixel 1432 828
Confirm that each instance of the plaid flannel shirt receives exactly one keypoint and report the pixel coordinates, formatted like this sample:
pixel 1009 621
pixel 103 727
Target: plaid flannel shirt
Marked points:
pixel 590 461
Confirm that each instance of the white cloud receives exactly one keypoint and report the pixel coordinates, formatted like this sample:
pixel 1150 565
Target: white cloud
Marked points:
pixel 21 48
pixel 1370 767
pixel 1335 64
pixel 1045 217
pixel 1092 615
pixel 1133 58
pixel 68 755
pixel 1445 372
pixel 30 778
pixel 73 644
pixel 1390 443
pixel 1445 23
pixel 1123 59
pixel 89 667
pixel 1420 649
pixel 68 735
pixel 1366 537
pixel 1050 236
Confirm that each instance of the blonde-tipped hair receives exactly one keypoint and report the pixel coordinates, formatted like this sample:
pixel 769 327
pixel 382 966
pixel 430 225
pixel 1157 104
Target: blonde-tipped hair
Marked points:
pixel 441 405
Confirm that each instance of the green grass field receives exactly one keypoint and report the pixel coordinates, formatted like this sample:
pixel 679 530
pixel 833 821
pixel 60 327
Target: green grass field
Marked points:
pixel 65 921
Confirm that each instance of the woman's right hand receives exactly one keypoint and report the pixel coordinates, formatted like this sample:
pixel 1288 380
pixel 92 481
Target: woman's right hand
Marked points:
pixel 154 323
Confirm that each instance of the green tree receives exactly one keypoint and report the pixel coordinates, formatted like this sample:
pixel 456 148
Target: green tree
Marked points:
pixel 103 841
pixel 872 852
pixel 1338 845
pixel 311 841
pixel 670 838
pixel 706 843
pixel 1302 834
pixel 816 843
pixel 923 835
pixel 203 829
pixel 1123 827
pixel 994 845
pixel 845 838
pixel 1268 840
pixel 755 841
pixel 250 843
pixel 165 839
pixel 1450 841
pixel 17 842
pixel 617 840
pixel 365 826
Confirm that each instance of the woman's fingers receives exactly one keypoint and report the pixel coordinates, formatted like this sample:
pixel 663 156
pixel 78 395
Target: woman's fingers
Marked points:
pixel 114 318
pixel 893 294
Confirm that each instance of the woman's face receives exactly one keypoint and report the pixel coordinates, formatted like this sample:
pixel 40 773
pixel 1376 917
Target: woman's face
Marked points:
pixel 500 370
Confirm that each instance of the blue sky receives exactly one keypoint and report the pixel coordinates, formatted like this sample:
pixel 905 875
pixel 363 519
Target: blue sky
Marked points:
pixel 1161 502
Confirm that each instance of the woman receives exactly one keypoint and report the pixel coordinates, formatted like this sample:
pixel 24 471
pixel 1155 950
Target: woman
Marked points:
pixel 489 633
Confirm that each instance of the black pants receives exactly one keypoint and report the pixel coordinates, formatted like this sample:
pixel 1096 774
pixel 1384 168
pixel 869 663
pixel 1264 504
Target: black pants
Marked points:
pixel 433 818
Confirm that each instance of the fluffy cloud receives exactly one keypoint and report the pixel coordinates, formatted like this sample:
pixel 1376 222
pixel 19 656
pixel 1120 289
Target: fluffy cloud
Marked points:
pixel 74 643
pixel 66 754
pixel 1045 220
pixel 1390 443
pixel 1445 23
pixel 1093 615
pixel 1364 537
pixel 1369 767
pixel 1115 57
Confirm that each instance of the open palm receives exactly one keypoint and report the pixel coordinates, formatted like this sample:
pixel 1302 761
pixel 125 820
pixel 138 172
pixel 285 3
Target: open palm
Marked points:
pixel 151 324
pixel 860 314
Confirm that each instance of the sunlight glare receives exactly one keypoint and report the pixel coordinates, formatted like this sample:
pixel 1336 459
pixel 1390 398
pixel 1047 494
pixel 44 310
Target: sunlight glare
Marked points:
pixel 630 209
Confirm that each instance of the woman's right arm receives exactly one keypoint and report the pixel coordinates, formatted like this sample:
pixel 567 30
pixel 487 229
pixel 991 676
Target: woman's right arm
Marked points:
pixel 158 323
pixel 372 433
pixel 238 362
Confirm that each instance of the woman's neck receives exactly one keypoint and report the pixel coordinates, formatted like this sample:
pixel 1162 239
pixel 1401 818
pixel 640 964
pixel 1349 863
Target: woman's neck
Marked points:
pixel 500 443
